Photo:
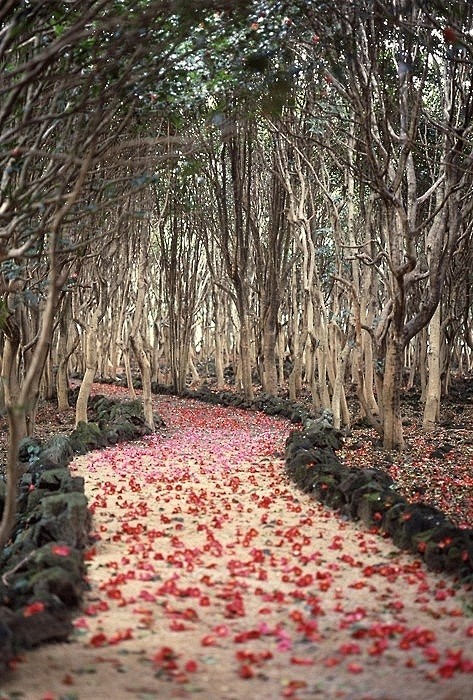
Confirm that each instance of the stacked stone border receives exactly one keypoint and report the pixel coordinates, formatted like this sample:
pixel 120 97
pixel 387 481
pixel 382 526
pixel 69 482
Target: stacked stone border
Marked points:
pixel 370 495
pixel 42 569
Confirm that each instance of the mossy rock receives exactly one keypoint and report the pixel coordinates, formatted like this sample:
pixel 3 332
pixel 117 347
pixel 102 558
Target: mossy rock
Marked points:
pixel 390 521
pixel 357 478
pixel 322 483
pixel 416 518
pixel 298 415
pixel 123 429
pixel 43 562
pixel 295 472
pixel 60 554
pixel 120 420
pixel 333 498
pixel 325 438
pixel 325 489
pixel 374 504
pixel 34 499
pixel 87 437
pixel 62 517
pixel 56 454
pixel 6 644
pixel 28 450
pixel 57 582
pixel 60 480
pixel 43 573
pixel 112 437
pixel 305 458
pixel 53 623
pixel 111 410
pixel 273 409
pixel 306 476
pixel 446 548
pixel 297 441
pixel 355 489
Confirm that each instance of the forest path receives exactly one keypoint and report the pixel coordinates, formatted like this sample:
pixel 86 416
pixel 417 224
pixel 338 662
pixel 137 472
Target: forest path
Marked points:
pixel 214 577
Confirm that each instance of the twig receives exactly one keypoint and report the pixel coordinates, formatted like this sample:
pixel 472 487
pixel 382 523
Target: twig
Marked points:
pixel 7 574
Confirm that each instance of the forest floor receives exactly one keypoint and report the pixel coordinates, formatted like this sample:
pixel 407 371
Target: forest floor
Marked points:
pixel 214 577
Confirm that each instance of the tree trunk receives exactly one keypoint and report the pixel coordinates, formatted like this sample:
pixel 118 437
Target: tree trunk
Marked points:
pixel 192 367
pixel 245 357
pixel 338 396
pixel 145 371
pixel 281 358
pixel 48 380
pixel 26 401
pixel 66 347
pixel 432 394
pixel 9 378
pixel 298 338
pixel 90 368
pixel 15 433
pixel 62 387
pixel 270 377
pixel 391 397
pixel 218 336
pixel 128 374
pixel 62 381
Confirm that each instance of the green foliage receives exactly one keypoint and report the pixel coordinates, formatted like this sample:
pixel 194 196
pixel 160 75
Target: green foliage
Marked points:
pixel 219 58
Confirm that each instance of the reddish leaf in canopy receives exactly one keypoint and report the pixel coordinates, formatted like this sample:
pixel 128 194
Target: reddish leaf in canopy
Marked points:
pixel 450 35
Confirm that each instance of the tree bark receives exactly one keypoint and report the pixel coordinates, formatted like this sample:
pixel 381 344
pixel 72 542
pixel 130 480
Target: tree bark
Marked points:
pixel 90 367
pixel 391 396
pixel 338 395
pixel 145 371
pixel 245 357
pixel 432 396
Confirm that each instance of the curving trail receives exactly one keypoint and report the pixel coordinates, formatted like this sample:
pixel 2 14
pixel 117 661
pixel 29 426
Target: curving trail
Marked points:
pixel 213 577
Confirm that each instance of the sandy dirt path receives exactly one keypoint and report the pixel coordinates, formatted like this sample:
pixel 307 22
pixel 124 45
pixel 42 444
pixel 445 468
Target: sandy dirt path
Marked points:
pixel 213 577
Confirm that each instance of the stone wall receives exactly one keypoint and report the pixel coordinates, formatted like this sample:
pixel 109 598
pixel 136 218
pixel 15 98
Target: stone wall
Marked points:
pixel 370 495
pixel 42 570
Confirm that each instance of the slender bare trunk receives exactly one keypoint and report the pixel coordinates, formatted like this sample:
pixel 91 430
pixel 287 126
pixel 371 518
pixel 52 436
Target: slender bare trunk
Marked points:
pixel 145 371
pixel 338 396
pixel 90 368
pixel 245 357
pixel 432 395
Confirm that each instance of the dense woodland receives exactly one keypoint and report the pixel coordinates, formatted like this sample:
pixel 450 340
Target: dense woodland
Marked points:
pixel 278 191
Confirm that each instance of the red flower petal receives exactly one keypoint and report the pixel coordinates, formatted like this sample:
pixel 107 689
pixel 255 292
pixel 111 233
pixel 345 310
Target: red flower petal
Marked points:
pixel 98 640
pixel 246 671
pixel 61 550
pixel 33 609
pixel 355 668
pixel 301 661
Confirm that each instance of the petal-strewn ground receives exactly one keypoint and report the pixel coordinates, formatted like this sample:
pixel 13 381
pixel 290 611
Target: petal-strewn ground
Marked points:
pixel 214 577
